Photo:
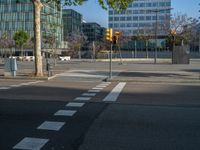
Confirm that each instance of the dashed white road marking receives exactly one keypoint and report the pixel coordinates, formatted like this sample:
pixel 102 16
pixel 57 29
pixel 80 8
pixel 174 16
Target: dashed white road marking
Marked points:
pixel 4 88
pixel 94 91
pixel 75 104
pixel 15 85
pixel 89 94
pixel 101 86
pixel 29 143
pixel 113 95
pixel 19 85
pixel 51 125
pixel 82 98
pixel 105 83
pixel 97 88
pixel 65 113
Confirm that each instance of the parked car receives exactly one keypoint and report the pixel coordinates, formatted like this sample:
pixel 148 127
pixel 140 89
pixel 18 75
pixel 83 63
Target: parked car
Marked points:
pixel 64 58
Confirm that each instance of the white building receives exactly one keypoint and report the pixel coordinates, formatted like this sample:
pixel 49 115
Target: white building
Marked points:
pixel 141 17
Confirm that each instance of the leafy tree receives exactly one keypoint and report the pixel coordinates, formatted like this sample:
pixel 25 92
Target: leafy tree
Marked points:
pixel 37 4
pixel 21 38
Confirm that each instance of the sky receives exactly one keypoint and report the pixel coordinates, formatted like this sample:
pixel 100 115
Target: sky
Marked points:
pixel 92 12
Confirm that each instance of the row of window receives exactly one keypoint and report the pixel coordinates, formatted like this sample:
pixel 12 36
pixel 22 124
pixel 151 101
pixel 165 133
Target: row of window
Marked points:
pixel 139 18
pixel 149 4
pixel 16 16
pixel 129 25
pixel 16 26
pixel 141 11
pixel 16 8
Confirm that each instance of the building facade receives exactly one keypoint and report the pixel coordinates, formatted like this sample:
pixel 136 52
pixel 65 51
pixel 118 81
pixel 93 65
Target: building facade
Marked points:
pixel 72 21
pixel 141 18
pixel 93 31
pixel 17 15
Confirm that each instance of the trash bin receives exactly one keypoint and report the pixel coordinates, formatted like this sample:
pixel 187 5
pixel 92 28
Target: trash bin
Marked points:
pixel 49 67
pixel 10 67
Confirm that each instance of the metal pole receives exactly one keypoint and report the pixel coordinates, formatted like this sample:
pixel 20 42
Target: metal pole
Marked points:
pixel 135 53
pixel 155 54
pixel 110 65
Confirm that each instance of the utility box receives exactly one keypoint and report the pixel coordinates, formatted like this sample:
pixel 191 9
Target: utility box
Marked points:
pixel 181 55
pixel 10 67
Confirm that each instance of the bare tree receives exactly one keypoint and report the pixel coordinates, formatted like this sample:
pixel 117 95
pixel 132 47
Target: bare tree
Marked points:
pixel 179 31
pixel 6 44
pixel 75 41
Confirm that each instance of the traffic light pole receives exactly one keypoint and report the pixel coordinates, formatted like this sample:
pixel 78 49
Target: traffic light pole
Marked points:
pixel 110 65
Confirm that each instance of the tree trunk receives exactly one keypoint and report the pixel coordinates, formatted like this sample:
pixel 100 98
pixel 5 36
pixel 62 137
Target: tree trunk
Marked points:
pixel 37 41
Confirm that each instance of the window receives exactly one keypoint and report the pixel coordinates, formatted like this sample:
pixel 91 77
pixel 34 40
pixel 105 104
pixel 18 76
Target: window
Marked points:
pixel 129 18
pixel 148 17
pixel 116 18
pixel 122 25
pixel 141 18
pixel 128 25
pixel 110 18
pixel 116 25
pixel 110 12
pixel 122 18
pixel 135 18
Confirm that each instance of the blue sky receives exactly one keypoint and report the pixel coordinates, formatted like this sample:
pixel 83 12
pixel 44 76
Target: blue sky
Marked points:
pixel 92 12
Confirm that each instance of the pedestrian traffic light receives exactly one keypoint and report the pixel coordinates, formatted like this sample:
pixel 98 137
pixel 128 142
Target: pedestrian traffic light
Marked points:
pixel 109 34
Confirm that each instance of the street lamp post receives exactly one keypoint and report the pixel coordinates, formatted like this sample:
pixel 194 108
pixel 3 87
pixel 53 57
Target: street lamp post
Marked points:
pixel 156 40
pixel 156 31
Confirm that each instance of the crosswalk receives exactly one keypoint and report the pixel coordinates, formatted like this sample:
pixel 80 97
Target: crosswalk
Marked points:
pixel 70 110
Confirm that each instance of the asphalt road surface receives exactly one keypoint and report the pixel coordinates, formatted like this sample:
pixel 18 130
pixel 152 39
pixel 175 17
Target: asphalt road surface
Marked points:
pixel 95 115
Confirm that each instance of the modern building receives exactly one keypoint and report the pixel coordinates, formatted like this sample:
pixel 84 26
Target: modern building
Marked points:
pixel 141 18
pixel 93 31
pixel 72 21
pixel 17 15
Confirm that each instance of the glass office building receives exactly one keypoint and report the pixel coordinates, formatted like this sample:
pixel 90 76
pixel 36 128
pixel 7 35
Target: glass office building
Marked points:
pixel 72 22
pixel 17 15
pixel 140 17
pixel 93 31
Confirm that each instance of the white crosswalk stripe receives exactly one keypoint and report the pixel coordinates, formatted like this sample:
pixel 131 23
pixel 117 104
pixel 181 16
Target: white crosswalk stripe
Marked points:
pixel 29 143
pixel 51 125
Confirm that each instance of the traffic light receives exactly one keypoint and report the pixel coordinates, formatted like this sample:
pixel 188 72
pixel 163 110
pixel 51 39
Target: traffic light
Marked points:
pixel 109 34
pixel 116 37
pixel 173 32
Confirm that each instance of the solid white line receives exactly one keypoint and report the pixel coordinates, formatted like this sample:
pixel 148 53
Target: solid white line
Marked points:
pixel 82 98
pixel 94 91
pixel 51 125
pixel 4 88
pixel 113 95
pixel 75 104
pixel 65 113
pixel 89 94
pixel 29 143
